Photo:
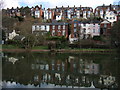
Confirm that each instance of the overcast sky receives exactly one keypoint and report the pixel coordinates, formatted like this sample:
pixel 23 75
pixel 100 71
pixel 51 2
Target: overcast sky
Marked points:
pixel 59 3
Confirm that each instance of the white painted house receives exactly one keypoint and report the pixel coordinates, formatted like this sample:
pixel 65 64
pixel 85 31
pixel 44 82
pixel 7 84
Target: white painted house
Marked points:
pixel 12 35
pixel 90 30
pixel 59 16
pixel 83 30
pixel 111 16
pixel 43 27
pixel 48 14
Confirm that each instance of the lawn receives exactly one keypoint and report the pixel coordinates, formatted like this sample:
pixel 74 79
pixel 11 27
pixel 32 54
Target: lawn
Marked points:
pixel 40 47
pixel 9 47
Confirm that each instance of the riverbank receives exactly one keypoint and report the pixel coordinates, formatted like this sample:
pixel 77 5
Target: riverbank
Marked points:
pixel 11 48
pixel 58 50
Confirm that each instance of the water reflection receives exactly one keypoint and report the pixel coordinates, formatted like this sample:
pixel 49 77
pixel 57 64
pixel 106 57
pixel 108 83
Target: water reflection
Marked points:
pixel 56 70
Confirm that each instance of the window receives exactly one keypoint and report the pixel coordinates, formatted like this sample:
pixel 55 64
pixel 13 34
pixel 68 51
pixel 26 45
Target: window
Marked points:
pixel 75 25
pixel 96 13
pixel 101 11
pixel 53 27
pixel 113 17
pixel 84 25
pixel 37 27
pixel 84 30
pixel 63 32
pixel 63 26
pixel 106 17
pixel 75 30
pixel 59 26
pixel 75 35
pixel 105 25
pixel 45 28
pixel 59 30
pixel 36 8
pixel 110 17
pixel 93 30
pixel 53 32
pixel 58 67
pixel 52 66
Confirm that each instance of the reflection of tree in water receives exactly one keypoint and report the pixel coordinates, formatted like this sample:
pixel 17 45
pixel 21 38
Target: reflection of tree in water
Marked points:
pixel 118 68
pixel 29 70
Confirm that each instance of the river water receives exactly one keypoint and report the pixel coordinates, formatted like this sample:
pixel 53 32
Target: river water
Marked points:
pixel 60 70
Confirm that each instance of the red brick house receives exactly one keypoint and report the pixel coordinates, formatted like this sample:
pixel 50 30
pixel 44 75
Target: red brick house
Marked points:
pixel 37 11
pixel 105 28
pixel 59 29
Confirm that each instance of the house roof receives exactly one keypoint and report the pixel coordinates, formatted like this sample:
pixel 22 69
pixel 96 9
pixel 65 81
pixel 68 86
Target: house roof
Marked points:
pixel 19 37
pixel 105 21
pixel 53 23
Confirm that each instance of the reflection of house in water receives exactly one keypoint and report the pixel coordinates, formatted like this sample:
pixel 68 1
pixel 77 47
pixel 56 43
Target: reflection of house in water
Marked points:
pixel 71 71
pixel 65 72
pixel 107 80
pixel 12 59
pixel 84 66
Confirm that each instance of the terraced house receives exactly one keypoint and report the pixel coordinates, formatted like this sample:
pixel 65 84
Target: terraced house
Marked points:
pixel 37 11
pixel 13 12
pixel 72 12
pixel 84 30
pixel 102 11
pixel 55 28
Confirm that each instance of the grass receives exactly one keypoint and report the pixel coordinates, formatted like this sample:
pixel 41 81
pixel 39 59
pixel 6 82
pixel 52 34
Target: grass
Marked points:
pixel 9 47
pixel 40 47
pixel 46 48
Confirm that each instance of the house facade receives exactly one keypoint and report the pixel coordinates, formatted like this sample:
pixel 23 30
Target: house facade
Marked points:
pixel 76 12
pixel 111 16
pixel 10 34
pixel 55 29
pixel 59 29
pixel 105 28
pixel 41 27
pixel 48 14
pixel 37 11
pixel 84 30
pixel 101 11
pixel 13 12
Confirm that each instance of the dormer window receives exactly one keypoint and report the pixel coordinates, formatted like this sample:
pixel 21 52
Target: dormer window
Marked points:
pixel 36 8
pixel 110 13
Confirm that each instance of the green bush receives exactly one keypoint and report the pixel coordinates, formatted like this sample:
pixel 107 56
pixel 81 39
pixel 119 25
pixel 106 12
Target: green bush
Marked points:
pixel 98 38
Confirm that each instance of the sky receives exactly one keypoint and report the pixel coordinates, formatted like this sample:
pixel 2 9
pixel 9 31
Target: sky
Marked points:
pixel 53 3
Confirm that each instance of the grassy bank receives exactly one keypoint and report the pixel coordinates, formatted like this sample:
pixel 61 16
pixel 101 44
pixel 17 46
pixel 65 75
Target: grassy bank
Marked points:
pixel 45 48
pixel 9 47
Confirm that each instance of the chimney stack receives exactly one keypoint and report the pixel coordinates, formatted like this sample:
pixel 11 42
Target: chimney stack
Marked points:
pixel 40 6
